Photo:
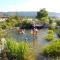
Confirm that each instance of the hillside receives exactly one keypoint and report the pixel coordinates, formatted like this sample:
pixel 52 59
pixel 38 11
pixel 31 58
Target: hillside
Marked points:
pixel 32 14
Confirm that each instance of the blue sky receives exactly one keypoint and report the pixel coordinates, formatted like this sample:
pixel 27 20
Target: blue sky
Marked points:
pixel 29 5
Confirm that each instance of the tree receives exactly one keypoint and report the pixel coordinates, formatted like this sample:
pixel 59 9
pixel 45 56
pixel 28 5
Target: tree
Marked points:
pixel 27 24
pixel 42 15
pixel 50 20
pixel 52 23
pixel 12 21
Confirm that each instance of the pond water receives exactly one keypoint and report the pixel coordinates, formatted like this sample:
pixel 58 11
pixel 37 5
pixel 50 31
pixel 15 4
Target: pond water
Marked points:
pixel 14 34
pixel 38 41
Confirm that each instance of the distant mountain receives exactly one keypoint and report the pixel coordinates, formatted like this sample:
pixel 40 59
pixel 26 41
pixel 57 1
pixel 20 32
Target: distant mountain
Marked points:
pixel 32 14
pixel 54 14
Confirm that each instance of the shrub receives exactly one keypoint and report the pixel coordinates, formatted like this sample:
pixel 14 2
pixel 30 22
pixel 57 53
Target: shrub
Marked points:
pixel 52 26
pixel 2 33
pixel 27 24
pixel 19 51
pixel 50 35
pixel 58 33
pixel 53 49
pixel 50 31
pixel 12 48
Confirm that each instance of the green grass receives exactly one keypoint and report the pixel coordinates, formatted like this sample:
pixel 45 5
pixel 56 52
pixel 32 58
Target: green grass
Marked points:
pixel 19 50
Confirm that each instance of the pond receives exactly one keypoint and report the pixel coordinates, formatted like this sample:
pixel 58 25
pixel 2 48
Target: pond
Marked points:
pixel 14 34
pixel 38 41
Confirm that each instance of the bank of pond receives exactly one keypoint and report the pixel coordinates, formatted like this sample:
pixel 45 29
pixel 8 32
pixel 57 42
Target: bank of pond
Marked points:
pixel 23 50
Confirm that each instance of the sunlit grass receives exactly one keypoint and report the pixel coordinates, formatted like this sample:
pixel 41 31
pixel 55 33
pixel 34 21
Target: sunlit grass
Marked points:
pixel 19 50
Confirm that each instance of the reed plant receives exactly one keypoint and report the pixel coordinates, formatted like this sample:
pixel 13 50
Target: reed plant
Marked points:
pixel 19 50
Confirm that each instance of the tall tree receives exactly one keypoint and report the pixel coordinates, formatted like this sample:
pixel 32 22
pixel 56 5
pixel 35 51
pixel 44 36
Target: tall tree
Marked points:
pixel 42 15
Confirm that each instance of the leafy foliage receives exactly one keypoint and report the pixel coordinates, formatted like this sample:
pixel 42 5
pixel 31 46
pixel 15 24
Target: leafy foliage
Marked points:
pixel 50 35
pixel 58 32
pixel 19 50
pixel 42 15
pixel 27 24
pixel 58 22
pixel 52 26
pixel 53 49
pixel 10 22
pixel 2 33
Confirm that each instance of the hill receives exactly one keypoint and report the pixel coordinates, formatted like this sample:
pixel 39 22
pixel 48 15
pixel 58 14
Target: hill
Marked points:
pixel 32 14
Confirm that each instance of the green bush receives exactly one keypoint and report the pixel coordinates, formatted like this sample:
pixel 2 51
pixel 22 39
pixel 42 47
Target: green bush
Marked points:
pixel 12 48
pixel 20 51
pixel 50 35
pixel 2 33
pixel 12 21
pixel 58 33
pixel 53 49
pixel 27 24
pixel 50 31
pixel 52 26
